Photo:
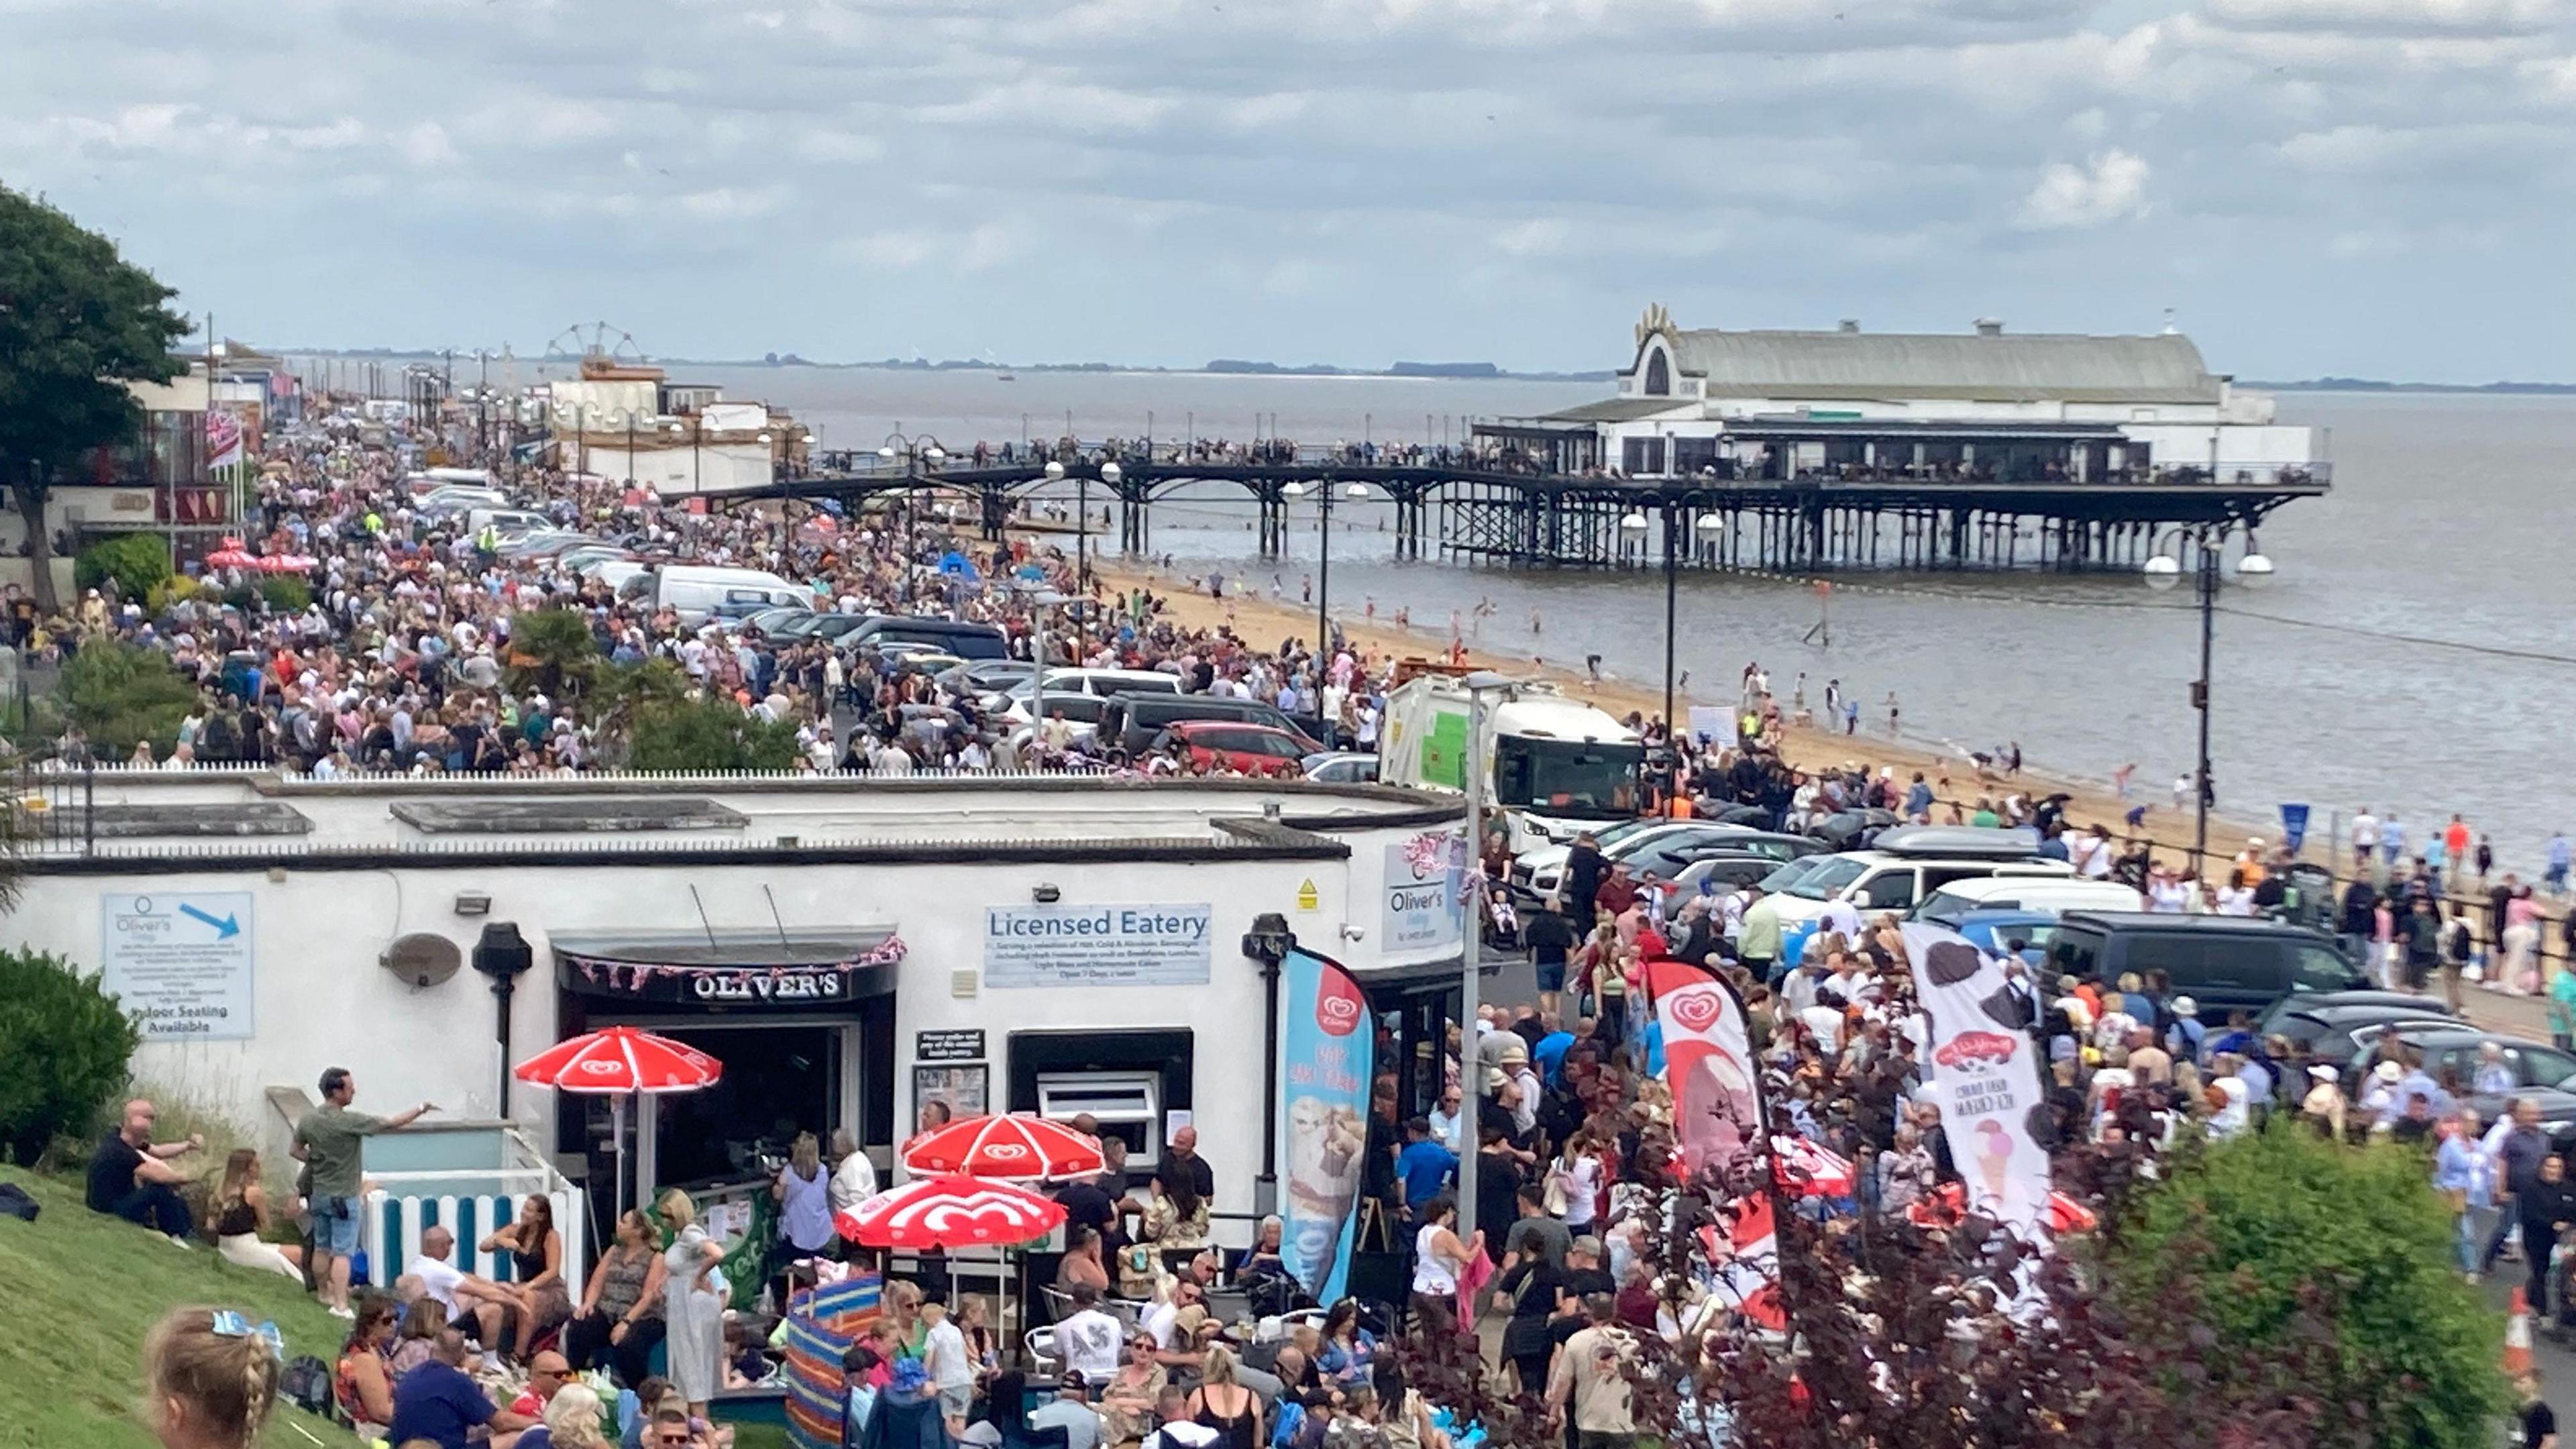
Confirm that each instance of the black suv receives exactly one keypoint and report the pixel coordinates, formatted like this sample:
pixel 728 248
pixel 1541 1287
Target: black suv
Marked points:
pixel 2224 963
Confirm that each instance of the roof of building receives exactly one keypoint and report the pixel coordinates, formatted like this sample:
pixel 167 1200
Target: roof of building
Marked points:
pixel 1984 366
pixel 1620 410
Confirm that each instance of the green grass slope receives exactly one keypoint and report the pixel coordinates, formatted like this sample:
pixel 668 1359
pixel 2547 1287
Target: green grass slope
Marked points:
pixel 78 1294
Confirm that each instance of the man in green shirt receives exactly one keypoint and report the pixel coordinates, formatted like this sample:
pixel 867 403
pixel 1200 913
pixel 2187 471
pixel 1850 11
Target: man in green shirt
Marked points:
pixel 330 1141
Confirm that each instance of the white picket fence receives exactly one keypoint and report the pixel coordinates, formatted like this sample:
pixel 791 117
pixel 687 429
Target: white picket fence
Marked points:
pixel 471 1203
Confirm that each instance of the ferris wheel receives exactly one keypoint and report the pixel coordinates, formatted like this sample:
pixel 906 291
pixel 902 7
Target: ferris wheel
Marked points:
pixel 595 339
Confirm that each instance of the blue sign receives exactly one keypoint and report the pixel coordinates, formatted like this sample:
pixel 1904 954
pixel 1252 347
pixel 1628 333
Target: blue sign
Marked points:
pixel 1324 1065
pixel 2294 825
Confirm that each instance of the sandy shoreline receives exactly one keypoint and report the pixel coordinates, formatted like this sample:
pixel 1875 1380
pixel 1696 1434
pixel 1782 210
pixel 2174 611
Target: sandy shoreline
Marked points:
pixel 1263 620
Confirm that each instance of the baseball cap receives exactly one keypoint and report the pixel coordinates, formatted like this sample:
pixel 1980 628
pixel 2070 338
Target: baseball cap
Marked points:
pixel 1073 1379
pixel 2322 1072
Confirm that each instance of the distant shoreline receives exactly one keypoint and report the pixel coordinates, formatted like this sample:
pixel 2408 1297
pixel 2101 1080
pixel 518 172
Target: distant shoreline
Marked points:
pixel 1405 371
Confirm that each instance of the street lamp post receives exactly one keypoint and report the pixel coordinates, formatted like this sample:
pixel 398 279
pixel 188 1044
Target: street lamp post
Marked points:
pixel 915 451
pixel 1634 525
pixel 2163 571
pixel 1470 983
pixel 1357 492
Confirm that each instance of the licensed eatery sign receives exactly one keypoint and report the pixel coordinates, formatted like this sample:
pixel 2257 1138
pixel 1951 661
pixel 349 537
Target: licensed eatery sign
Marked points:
pixel 1096 945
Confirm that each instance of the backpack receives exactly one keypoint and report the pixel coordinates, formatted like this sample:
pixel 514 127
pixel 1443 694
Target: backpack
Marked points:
pixel 307 1384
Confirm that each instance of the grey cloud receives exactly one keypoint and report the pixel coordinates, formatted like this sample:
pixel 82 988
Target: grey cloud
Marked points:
pixel 1167 179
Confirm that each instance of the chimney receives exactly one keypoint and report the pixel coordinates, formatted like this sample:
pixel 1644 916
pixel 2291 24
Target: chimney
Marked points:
pixel 1990 327
pixel 1851 324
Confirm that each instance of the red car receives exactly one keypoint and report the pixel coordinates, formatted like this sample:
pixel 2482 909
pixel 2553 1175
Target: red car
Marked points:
pixel 1222 745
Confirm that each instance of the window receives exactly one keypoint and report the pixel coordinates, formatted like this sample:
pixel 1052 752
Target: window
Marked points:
pixel 1128 1105
pixel 1889 892
pixel 1694 455
pixel 2077 954
pixel 2539 1066
pixel 1659 374
pixel 1277 747
pixel 2250 962
pixel 1641 457
pixel 2320 969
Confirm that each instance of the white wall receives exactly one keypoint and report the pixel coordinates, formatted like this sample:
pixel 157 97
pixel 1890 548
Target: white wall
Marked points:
pixel 674 470
pixel 321 999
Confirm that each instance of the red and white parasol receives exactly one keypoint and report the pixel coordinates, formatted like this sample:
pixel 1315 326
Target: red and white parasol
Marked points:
pixel 286 563
pixel 950 1212
pixel 231 555
pixel 1803 1168
pixel 617 1062
pixel 1945 1207
pixel 620 1059
pixel 1013 1148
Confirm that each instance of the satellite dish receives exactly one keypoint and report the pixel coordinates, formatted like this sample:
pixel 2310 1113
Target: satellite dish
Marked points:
pixel 422 958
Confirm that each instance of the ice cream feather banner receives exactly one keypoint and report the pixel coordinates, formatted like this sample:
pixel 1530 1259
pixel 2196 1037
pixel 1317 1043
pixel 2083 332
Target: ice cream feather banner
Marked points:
pixel 1985 1075
pixel 1708 1062
pixel 1718 1126
pixel 1324 1067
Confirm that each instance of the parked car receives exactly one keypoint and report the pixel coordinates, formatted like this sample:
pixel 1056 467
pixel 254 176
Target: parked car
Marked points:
pixel 2224 963
pixel 1219 744
pixel 2334 1032
pixel 1341 767
pixel 2541 1072
pixel 1081 716
pixel 963 639
pixel 984 676
pixel 1994 931
pixel 1957 900
pixel 1732 872
pixel 1134 721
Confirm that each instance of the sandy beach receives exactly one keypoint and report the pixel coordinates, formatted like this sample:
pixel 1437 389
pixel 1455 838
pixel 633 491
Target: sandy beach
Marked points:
pixel 1264 620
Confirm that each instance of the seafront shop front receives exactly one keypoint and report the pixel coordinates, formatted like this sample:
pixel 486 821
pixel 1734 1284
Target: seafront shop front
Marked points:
pixel 850 948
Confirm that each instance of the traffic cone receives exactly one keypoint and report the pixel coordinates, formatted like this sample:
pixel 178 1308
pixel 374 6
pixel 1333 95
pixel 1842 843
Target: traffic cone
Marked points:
pixel 2517 1335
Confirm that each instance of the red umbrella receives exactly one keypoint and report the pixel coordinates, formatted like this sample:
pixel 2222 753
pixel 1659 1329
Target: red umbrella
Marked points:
pixel 1945 1207
pixel 1809 1170
pixel 1017 1147
pixel 620 1060
pixel 231 556
pixel 285 563
pixel 950 1212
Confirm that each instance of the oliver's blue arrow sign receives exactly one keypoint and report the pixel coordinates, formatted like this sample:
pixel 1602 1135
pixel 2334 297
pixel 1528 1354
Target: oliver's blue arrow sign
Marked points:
pixel 226 927
pixel 180 963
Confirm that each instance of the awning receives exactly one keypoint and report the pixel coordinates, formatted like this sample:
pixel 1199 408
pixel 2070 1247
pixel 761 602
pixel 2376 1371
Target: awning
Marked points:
pixel 729 968
pixel 1881 429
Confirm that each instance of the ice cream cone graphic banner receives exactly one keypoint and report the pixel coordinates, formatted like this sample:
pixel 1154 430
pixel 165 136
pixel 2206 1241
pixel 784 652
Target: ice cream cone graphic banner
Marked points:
pixel 1985 1075
pixel 1324 1067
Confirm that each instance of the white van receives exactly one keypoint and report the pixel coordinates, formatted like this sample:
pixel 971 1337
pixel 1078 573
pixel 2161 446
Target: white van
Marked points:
pixel 1946 906
pixel 698 591
pixel 1098 683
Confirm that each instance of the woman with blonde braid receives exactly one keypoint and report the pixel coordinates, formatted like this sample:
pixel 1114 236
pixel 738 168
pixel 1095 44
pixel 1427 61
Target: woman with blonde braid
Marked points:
pixel 212 1377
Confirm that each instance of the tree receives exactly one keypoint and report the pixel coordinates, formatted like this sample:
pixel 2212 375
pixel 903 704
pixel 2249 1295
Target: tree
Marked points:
pixel 551 651
pixel 120 693
pixel 620 694
pixel 68 1045
pixel 707 735
pixel 2281 1232
pixel 138 562
pixel 77 322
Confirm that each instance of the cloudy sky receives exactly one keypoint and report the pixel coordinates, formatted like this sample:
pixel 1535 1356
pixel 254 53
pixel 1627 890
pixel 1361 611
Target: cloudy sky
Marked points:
pixel 2371 187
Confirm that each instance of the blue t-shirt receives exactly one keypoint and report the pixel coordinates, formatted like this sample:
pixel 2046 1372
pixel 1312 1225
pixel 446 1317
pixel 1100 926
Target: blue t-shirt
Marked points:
pixel 1549 1054
pixel 437 1402
pixel 1425 1167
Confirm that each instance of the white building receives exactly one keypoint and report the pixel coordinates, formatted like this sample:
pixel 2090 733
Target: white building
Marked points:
pixel 849 947
pixel 1985 404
